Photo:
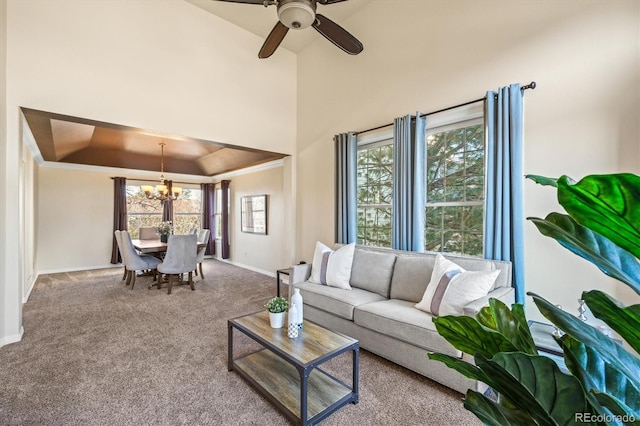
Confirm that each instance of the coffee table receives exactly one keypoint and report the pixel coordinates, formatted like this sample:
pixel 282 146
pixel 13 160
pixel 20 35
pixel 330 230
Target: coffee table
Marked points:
pixel 286 371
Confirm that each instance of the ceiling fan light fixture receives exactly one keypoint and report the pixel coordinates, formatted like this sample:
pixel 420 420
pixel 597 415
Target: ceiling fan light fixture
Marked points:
pixel 297 15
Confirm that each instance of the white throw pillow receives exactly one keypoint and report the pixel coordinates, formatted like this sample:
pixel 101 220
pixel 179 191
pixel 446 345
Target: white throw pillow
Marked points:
pixel 332 268
pixel 451 288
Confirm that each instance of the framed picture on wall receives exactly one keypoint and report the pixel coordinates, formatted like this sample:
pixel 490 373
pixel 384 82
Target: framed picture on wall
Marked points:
pixel 254 214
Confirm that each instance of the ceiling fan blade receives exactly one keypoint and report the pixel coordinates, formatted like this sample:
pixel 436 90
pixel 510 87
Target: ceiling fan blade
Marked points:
pixel 273 40
pixel 330 1
pixel 337 35
pixel 260 2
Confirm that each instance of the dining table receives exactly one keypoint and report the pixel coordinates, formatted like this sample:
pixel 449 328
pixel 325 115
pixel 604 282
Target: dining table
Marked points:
pixel 155 246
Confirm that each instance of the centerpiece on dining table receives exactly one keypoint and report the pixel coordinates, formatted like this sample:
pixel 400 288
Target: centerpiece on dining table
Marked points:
pixel 165 229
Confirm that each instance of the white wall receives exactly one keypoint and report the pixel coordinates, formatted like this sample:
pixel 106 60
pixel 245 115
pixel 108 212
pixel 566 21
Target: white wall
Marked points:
pixel 165 66
pixel 426 55
pixel 264 253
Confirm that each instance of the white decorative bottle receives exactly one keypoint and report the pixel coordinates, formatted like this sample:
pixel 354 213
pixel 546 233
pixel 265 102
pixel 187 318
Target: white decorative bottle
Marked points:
pixel 296 300
pixel 292 330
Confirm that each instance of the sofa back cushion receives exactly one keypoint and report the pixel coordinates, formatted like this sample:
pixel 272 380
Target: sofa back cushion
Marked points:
pixel 372 271
pixel 411 275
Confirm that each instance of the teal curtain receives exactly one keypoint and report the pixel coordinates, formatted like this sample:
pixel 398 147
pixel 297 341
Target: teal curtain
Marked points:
pixel 409 189
pixel 346 203
pixel 504 214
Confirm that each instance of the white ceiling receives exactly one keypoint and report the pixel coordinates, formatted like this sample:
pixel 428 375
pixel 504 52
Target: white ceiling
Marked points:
pixel 260 20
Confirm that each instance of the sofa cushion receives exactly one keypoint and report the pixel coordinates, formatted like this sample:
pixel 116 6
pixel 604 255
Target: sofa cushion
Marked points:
pixel 401 320
pixel 332 268
pixel 336 301
pixel 452 287
pixel 372 271
pixel 411 274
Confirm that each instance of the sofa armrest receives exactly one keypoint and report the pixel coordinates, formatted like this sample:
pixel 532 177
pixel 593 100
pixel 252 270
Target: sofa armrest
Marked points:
pixel 504 294
pixel 300 273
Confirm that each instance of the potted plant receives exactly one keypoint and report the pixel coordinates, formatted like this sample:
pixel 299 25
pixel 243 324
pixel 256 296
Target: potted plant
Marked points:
pixel 603 382
pixel 277 308
pixel 165 229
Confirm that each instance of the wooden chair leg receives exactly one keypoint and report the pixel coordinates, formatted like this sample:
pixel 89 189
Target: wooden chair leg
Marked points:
pixel 124 273
pixel 170 283
pixel 201 274
pixel 159 280
pixel 128 278
pixel 191 281
pixel 133 281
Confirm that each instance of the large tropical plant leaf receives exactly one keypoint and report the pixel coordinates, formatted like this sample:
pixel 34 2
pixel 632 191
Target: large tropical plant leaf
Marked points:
pixel 606 204
pixel 492 413
pixel 469 336
pixel 511 324
pixel 596 375
pixel 542 180
pixel 617 409
pixel 624 321
pixel 607 256
pixel 610 351
pixel 536 385
pixel 463 367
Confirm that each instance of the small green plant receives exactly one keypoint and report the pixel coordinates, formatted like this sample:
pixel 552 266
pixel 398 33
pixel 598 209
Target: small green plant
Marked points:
pixel 277 305
pixel 165 228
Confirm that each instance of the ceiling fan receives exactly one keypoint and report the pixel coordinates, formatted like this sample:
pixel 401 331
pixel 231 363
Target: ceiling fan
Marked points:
pixel 300 14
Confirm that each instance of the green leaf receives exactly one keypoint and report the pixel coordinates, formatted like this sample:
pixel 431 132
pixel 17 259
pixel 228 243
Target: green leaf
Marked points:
pixel 541 180
pixel 485 317
pixel 616 408
pixel 595 374
pixel 513 327
pixel 610 351
pixel 624 321
pixel 536 385
pixel 492 413
pixel 463 367
pixel 607 256
pixel 469 336
pixel 606 204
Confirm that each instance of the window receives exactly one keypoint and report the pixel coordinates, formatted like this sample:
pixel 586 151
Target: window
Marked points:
pixel 143 212
pixel 218 214
pixel 187 211
pixel 455 189
pixel 375 192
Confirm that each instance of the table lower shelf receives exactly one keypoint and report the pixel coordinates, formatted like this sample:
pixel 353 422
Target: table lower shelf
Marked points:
pixel 281 381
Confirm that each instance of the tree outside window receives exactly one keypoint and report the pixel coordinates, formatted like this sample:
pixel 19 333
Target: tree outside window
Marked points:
pixel 143 212
pixel 375 193
pixel 455 191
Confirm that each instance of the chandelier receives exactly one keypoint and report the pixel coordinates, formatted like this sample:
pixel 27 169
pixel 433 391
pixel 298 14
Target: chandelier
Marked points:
pixel 164 191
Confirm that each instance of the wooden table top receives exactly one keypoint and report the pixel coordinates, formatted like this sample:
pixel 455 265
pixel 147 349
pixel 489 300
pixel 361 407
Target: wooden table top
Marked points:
pixel 313 342
pixel 154 246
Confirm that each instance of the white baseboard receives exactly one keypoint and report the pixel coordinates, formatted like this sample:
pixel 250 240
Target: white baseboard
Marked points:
pixel 32 284
pixel 251 268
pixel 79 268
pixel 6 340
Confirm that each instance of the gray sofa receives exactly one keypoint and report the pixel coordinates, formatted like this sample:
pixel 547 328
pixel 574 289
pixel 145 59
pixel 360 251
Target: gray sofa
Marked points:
pixel 380 310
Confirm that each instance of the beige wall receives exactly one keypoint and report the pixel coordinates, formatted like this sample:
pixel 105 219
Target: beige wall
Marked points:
pixel 582 118
pixel 165 66
pixel 264 253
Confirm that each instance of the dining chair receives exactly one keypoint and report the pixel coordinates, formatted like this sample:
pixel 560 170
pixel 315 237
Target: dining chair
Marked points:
pixel 119 243
pixel 136 262
pixel 148 233
pixel 203 237
pixel 193 231
pixel 182 252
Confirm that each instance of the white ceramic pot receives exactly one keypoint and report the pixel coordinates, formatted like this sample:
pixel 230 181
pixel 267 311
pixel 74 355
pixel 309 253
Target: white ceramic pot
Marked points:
pixel 277 320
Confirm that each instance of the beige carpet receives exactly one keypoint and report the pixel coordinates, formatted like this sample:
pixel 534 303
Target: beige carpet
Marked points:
pixel 95 352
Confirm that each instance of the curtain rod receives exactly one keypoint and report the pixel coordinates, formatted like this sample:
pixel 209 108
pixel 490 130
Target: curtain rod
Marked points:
pixel 531 85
